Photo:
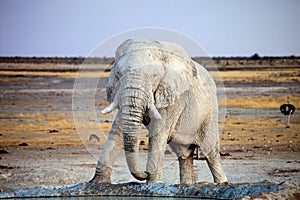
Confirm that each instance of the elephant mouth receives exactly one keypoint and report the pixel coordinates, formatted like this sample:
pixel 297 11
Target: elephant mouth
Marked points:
pixel 146 120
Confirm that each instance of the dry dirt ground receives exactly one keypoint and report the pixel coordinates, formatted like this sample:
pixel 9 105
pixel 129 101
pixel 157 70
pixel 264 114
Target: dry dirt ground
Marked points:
pixel 52 134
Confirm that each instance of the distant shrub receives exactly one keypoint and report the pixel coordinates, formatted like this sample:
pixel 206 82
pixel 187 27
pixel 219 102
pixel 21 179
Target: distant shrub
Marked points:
pixel 255 56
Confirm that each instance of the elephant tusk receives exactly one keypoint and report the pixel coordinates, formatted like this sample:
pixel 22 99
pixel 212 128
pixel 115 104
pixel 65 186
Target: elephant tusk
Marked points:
pixel 154 112
pixel 109 108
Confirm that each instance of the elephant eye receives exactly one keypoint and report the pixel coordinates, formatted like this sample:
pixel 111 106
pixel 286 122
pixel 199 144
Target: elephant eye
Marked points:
pixel 118 74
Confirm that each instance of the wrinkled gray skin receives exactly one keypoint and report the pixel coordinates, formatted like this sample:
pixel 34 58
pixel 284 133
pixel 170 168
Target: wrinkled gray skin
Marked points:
pixel 158 85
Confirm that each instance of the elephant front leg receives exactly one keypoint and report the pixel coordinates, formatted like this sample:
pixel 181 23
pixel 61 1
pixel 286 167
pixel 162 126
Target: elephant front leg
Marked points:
pixel 158 137
pixel 156 152
pixel 112 148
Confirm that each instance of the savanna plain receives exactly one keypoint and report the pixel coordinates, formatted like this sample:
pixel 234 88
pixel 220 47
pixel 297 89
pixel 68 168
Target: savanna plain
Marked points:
pixel 52 132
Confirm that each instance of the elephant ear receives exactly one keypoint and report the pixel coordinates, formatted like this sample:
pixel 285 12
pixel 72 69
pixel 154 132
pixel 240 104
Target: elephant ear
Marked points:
pixel 113 85
pixel 177 80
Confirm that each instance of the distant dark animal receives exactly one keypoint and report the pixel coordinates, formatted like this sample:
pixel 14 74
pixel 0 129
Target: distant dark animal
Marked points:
pixel 94 137
pixel 287 109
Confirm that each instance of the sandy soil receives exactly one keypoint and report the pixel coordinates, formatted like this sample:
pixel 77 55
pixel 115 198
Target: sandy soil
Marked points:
pixel 48 140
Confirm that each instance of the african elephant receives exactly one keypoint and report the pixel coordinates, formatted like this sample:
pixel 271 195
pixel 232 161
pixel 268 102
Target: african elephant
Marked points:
pixel 157 84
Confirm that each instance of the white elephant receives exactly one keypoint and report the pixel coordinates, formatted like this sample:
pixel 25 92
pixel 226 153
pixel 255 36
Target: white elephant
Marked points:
pixel 157 84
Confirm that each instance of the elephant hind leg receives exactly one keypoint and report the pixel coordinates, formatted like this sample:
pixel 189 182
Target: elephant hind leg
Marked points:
pixel 186 167
pixel 214 163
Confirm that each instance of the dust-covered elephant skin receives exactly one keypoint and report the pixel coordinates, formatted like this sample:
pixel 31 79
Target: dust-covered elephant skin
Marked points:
pixel 157 84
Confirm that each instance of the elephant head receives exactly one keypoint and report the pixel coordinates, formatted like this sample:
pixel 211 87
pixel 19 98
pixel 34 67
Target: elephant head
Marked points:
pixel 146 76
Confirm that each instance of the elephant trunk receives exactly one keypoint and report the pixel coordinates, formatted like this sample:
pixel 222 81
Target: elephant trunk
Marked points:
pixel 133 105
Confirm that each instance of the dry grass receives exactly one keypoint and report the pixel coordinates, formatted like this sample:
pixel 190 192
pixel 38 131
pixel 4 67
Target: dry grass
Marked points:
pixel 261 132
pixel 51 66
pixel 82 74
pixel 288 75
pixel 250 76
pixel 38 130
pixel 105 103
pixel 21 130
pixel 70 71
pixel 260 102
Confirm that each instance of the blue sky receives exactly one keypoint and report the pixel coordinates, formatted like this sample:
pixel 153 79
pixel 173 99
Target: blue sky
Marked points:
pixel 223 28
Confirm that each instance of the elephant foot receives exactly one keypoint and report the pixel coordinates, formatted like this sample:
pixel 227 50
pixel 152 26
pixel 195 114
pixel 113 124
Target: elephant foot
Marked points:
pixel 102 176
pixel 100 179
pixel 223 183
pixel 141 176
pixel 220 179
pixel 155 178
